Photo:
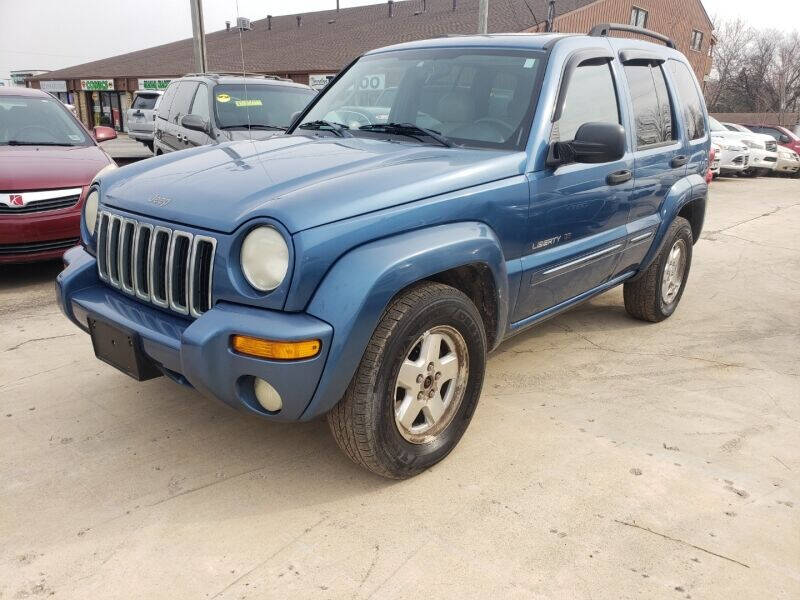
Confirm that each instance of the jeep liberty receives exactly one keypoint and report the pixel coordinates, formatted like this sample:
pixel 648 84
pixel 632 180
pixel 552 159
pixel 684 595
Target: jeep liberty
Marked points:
pixel 362 266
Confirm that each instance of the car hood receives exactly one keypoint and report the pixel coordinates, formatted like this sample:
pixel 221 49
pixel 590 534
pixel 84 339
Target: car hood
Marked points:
pixel 302 182
pixel 27 168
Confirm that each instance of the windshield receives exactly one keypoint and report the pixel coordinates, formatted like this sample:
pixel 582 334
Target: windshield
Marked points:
pixel 31 121
pixel 260 105
pixel 145 101
pixel 472 97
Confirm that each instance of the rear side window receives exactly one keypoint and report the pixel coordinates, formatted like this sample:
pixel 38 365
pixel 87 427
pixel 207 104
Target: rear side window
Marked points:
pixel 183 99
pixel 652 107
pixel 690 100
pixel 591 97
pixel 166 100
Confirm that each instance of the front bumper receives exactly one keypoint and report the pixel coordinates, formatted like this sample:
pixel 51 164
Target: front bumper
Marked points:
pixel 787 165
pixel 197 352
pixel 762 159
pixel 39 236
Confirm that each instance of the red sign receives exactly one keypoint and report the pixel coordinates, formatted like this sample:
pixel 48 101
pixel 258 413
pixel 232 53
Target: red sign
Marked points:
pixel 15 200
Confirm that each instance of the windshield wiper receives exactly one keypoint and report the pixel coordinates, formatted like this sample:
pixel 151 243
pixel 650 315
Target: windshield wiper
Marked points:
pixel 409 130
pixel 337 128
pixel 25 143
pixel 255 126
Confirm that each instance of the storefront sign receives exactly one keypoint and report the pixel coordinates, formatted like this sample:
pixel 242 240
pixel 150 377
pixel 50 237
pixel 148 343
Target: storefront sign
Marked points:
pixel 102 85
pixel 153 84
pixel 319 81
pixel 53 86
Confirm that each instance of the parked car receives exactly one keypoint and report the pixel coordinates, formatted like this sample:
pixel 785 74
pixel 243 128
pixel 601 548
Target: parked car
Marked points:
pixel 213 108
pixel 732 158
pixel 142 115
pixel 47 161
pixel 763 149
pixel 713 167
pixel 782 135
pixel 363 270
pixel 788 162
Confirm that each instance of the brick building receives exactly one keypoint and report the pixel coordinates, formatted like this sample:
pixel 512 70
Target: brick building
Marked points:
pixel 308 47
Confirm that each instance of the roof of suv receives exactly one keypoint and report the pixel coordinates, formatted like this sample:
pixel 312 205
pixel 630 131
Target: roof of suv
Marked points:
pixel 230 79
pixel 21 91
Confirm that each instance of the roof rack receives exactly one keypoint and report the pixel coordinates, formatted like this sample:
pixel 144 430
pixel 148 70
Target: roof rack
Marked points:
pixel 603 29
pixel 239 74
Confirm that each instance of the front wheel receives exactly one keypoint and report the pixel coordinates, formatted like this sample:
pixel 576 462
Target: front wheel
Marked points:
pixel 417 385
pixel 655 294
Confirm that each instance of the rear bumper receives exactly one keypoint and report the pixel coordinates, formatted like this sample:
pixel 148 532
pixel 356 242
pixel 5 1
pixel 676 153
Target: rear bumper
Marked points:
pixel 39 236
pixel 197 352
pixel 144 136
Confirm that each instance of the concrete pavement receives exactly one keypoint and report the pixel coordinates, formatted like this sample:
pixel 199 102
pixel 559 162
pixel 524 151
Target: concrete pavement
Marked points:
pixel 608 458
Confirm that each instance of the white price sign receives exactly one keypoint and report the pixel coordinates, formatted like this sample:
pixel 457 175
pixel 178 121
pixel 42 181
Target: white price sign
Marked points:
pixel 372 82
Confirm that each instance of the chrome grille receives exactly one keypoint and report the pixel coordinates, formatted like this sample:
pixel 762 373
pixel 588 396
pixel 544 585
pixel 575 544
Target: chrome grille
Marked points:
pixel 166 267
pixel 41 205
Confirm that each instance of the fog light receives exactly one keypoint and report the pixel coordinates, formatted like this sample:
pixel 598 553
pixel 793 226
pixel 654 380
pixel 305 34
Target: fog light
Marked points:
pixel 267 396
pixel 275 350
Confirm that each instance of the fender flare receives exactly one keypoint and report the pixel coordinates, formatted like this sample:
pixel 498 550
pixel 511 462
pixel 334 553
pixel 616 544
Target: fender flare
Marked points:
pixel 686 190
pixel 355 292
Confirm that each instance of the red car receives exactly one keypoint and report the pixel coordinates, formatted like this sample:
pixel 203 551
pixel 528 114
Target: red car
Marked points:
pixel 783 136
pixel 47 161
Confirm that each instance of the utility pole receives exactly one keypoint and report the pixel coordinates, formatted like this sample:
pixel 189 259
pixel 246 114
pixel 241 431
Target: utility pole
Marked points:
pixel 199 34
pixel 483 16
pixel 551 15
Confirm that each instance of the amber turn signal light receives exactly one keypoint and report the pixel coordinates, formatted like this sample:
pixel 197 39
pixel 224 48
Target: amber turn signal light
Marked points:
pixel 274 350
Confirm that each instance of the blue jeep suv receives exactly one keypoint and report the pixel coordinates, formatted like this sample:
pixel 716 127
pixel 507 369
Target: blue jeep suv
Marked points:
pixel 362 266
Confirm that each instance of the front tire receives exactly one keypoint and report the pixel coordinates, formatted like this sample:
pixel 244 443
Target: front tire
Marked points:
pixel 417 385
pixel 655 294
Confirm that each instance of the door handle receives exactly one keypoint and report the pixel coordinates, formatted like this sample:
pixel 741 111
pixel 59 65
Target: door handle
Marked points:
pixel 618 177
pixel 678 161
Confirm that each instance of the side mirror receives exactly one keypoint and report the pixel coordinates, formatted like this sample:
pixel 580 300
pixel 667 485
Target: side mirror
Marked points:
pixel 784 139
pixel 593 143
pixel 195 123
pixel 101 133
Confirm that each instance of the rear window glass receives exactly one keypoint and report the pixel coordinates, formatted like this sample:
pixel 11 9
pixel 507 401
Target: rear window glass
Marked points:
pixel 651 105
pixel 690 100
pixel 166 100
pixel 145 102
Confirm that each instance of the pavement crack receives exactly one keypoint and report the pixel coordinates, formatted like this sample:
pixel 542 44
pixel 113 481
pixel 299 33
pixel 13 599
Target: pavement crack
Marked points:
pixel 680 541
pixel 41 339
pixel 369 571
pixel 303 533
pixel 761 216
pixel 32 375
pixel 203 487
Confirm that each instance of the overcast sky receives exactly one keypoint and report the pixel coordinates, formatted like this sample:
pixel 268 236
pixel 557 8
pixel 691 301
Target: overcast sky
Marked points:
pixel 50 34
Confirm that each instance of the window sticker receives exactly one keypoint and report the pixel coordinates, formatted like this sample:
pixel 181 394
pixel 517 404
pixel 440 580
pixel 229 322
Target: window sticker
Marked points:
pixel 223 98
pixel 253 102
pixel 529 62
pixel 74 137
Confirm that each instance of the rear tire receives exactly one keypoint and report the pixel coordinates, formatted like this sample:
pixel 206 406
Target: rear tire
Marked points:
pixel 396 421
pixel 655 294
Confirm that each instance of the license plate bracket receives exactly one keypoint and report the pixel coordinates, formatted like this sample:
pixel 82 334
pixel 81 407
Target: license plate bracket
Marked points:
pixel 121 349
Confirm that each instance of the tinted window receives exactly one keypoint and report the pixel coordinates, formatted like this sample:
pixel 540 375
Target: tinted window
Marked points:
pixel 166 100
pixel 690 100
pixel 651 104
pixel 183 98
pixel 264 105
pixel 474 96
pixel 38 121
pixel 200 102
pixel 591 97
pixel 145 102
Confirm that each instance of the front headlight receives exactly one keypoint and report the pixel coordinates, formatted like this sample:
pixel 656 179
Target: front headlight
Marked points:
pixel 90 210
pixel 264 258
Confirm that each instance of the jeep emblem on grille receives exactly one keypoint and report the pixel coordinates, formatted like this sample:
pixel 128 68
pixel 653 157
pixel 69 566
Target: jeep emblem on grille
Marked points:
pixel 159 200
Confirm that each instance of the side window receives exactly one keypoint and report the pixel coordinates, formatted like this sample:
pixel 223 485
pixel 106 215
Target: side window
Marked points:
pixel 200 102
pixel 166 100
pixel 652 108
pixel 690 100
pixel 591 97
pixel 183 99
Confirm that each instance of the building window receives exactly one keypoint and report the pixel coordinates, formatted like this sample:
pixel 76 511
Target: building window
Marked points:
pixel 697 40
pixel 638 17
